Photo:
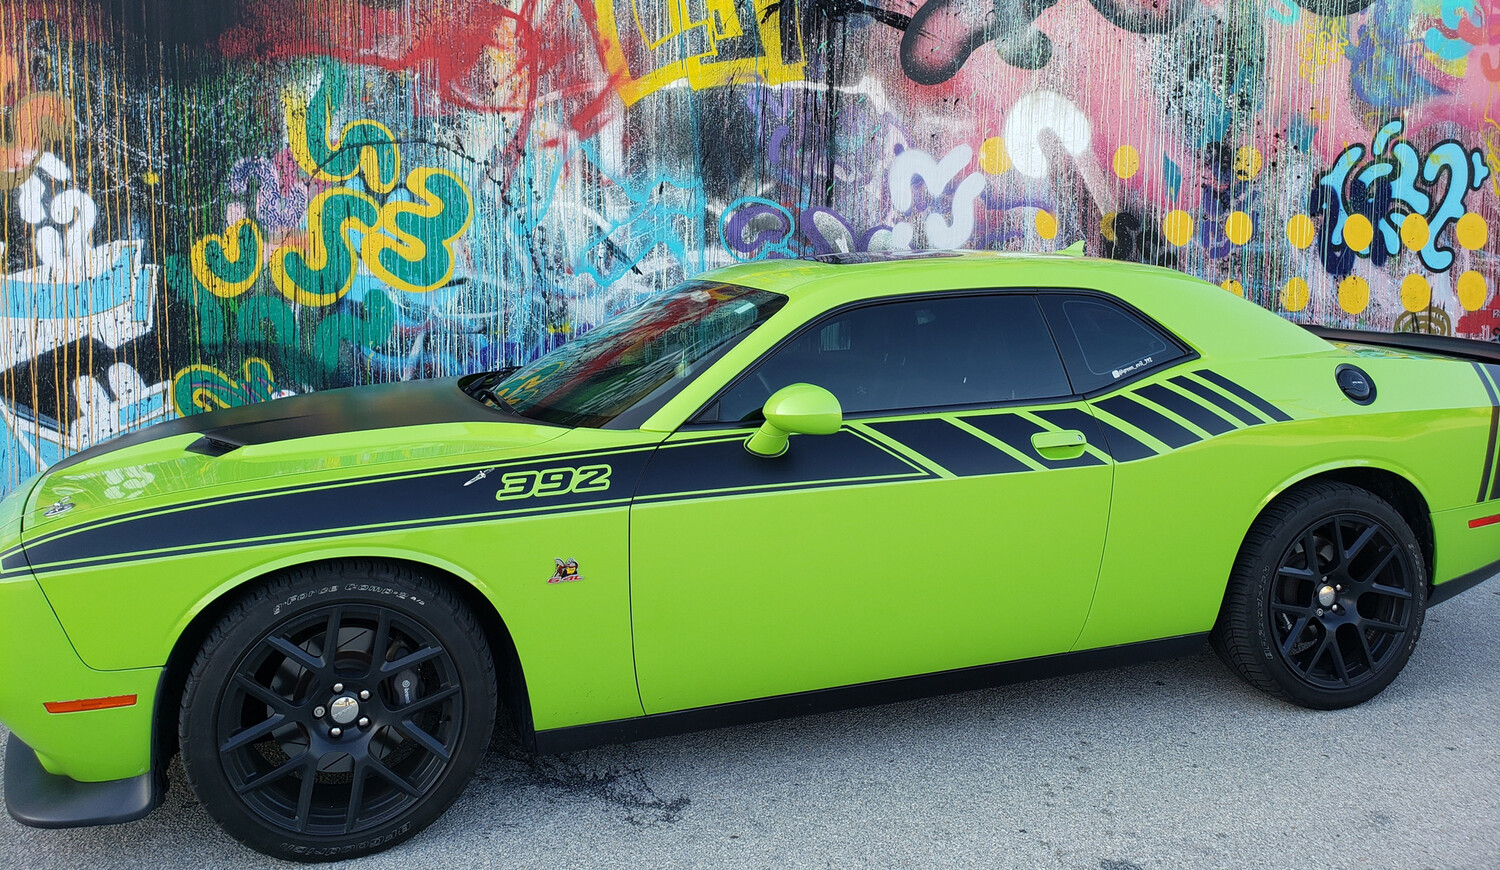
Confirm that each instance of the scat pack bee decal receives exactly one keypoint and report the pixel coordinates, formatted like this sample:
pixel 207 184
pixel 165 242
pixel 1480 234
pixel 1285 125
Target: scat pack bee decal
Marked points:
pixel 567 572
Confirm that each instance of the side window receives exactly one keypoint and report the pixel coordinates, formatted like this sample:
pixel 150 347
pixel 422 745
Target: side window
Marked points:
pixel 1103 343
pixel 913 354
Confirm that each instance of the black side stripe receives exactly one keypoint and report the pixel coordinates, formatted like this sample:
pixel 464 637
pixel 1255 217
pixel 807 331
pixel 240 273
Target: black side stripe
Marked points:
pixel 1143 418
pixel 1187 409
pixel 1221 402
pixel 1257 402
pixel 1016 431
pixel 951 447
pixel 1489 452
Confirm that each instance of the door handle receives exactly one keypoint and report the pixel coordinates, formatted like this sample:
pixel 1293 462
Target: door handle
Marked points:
pixel 1064 444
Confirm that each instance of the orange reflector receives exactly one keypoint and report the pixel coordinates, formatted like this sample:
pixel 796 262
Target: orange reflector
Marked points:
pixel 1484 521
pixel 89 704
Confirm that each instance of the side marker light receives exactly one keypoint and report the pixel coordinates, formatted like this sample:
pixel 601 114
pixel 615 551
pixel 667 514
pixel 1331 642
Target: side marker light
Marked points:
pixel 84 704
pixel 1484 521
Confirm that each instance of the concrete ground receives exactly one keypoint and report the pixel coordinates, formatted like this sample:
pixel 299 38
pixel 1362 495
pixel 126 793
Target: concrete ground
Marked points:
pixel 1171 765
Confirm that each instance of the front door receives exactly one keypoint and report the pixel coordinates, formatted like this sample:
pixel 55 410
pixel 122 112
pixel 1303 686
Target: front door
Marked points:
pixel 952 522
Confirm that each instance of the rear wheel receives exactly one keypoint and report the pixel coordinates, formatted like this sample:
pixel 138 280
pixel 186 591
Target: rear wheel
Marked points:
pixel 1326 599
pixel 337 711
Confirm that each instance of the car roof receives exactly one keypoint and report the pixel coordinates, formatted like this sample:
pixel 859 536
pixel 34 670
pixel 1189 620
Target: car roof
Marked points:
pixel 1197 311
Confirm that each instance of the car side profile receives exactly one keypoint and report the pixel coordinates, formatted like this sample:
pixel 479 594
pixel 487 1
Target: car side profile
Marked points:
pixel 779 488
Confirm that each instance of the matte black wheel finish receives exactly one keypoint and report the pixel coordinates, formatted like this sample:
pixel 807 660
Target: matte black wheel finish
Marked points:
pixel 1326 600
pixel 1341 602
pixel 339 719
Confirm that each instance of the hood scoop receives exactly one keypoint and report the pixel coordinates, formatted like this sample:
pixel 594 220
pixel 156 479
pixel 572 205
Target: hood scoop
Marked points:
pixel 214 445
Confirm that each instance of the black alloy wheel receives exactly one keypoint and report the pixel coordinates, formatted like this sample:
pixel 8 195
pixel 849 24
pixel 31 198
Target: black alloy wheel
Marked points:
pixel 337 711
pixel 1326 600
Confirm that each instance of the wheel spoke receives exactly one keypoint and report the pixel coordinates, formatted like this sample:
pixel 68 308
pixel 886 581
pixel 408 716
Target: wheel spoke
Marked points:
pixel 305 795
pixel 253 733
pixel 264 694
pixel 297 654
pixel 1390 591
pixel 411 660
pixel 356 794
pixel 271 776
pixel 331 635
pixel 1379 567
pixel 393 778
pixel 1382 626
pixel 1310 550
pixel 1339 549
pixel 1298 609
pixel 1338 657
pixel 1296 573
pixel 1364 644
pixel 426 701
pixel 1359 544
pixel 1322 648
pixel 423 739
pixel 381 641
pixel 1291 636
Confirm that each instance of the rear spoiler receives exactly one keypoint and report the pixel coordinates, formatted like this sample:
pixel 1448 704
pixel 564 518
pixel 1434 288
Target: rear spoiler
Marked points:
pixel 1460 348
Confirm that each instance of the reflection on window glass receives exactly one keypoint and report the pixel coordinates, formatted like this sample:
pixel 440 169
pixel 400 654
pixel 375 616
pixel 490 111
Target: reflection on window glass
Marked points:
pixel 598 376
pixel 1110 338
pixel 946 351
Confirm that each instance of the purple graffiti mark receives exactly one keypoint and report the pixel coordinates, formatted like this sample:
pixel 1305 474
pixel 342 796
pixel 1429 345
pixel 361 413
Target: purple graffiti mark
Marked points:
pixel 943 33
pixel 280 202
pixel 1397 182
pixel 754 228
pixel 1220 194
pixel 1383 71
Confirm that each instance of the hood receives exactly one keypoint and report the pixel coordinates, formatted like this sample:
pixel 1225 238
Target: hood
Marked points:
pixel 334 431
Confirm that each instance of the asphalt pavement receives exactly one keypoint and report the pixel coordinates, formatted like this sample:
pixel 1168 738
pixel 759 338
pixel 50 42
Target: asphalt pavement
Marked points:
pixel 1169 765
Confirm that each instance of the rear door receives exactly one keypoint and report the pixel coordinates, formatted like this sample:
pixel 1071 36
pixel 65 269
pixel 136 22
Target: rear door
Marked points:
pixel 957 519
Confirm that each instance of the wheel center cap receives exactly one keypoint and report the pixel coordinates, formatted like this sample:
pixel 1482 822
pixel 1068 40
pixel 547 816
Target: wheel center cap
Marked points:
pixel 1326 597
pixel 344 709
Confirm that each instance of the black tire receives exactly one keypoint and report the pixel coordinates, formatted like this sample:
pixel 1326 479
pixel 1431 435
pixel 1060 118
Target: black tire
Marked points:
pixel 1336 635
pixel 311 759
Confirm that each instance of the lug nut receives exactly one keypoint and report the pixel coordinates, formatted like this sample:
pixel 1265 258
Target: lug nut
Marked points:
pixel 1336 608
pixel 364 694
pixel 338 687
pixel 1338 589
pixel 1320 611
pixel 364 721
pixel 319 711
pixel 335 732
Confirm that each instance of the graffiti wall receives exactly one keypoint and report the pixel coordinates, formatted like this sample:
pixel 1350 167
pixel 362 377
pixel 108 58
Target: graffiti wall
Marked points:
pixel 210 204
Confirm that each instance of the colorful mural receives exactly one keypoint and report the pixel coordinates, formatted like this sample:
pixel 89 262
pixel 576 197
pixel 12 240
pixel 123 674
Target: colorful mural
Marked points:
pixel 212 204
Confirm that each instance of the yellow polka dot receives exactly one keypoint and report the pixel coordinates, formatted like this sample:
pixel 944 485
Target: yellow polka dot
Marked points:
pixel 1472 294
pixel 1107 226
pixel 992 156
pixel 1354 294
pixel 1358 232
pixel 1295 295
pixel 1234 287
pixel 1301 231
pixel 1177 227
pixel 1046 224
pixel 1415 232
pixel 1416 293
pixel 1472 232
pixel 1127 161
pixel 1247 162
pixel 1238 227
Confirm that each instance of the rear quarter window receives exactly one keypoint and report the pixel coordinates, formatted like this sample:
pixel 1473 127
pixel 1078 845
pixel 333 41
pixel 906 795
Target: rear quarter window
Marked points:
pixel 1104 343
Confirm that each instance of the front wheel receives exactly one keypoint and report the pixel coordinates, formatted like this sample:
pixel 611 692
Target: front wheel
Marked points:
pixel 1326 599
pixel 337 711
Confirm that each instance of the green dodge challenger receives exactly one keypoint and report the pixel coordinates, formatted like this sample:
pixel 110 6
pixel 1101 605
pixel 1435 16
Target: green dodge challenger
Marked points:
pixel 781 487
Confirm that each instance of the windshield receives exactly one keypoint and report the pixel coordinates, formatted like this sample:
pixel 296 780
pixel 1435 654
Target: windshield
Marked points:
pixel 637 359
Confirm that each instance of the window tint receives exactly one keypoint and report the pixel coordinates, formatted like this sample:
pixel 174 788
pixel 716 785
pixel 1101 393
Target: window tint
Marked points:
pixel 926 353
pixel 1103 342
